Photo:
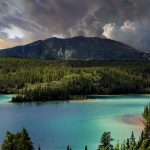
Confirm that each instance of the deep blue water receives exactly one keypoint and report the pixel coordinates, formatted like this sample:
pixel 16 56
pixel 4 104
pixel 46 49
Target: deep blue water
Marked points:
pixel 55 125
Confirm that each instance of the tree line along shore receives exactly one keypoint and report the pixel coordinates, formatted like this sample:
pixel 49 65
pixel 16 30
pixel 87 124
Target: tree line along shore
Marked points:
pixel 34 80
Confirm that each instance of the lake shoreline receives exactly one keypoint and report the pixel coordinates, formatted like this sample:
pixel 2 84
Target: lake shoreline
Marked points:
pixel 135 120
pixel 88 98
pixel 85 119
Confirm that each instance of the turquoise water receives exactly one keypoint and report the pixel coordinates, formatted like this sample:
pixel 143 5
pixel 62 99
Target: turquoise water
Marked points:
pixel 55 125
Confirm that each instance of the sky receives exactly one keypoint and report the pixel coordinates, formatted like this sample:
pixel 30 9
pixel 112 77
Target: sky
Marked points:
pixel 25 21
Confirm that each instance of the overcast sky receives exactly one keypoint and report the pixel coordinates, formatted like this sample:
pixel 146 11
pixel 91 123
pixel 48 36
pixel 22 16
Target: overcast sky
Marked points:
pixel 25 21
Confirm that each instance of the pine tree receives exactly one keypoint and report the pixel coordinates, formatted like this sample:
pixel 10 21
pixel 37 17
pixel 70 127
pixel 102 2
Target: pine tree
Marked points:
pixel 117 146
pixel 132 142
pixel 140 140
pixel 132 138
pixel 145 145
pixel 123 146
pixel 128 144
pixel 25 140
pixel 8 143
pixel 18 141
pixel 86 148
pixel 68 148
pixel 106 141
pixel 39 148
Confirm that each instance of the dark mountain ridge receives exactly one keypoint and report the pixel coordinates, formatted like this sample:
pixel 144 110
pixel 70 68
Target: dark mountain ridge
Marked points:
pixel 76 48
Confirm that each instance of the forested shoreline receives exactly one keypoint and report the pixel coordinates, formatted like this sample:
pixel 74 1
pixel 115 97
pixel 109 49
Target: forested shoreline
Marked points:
pixel 41 80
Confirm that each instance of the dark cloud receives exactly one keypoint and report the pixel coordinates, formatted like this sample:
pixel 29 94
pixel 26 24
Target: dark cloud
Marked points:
pixel 120 10
pixel 57 16
pixel 125 20
pixel 89 26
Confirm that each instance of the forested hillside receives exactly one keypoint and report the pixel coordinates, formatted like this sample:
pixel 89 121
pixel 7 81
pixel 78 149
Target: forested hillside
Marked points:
pixel 40 80
pixel 76 48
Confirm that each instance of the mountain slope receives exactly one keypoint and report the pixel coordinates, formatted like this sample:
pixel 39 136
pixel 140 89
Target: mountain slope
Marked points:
pixel 76 48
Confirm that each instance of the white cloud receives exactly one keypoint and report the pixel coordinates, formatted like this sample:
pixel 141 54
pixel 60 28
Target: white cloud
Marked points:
pixel 14 32
pixel 112 30
pixel 59 36
pixel 134 33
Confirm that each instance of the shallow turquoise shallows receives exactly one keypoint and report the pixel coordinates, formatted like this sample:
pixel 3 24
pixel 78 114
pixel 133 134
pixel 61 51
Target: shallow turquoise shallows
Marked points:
pixel 55 125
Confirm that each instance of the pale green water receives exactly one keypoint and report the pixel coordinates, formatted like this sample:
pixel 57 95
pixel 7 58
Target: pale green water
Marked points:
pixel 55 125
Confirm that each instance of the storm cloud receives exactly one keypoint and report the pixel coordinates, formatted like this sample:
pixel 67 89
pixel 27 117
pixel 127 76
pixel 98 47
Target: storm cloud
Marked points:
pixel 24 21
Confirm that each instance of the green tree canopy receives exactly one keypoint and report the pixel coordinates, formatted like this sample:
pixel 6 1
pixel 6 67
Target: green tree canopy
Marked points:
pixel 18 141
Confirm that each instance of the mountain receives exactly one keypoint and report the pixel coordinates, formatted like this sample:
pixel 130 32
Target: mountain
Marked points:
pixel 77 48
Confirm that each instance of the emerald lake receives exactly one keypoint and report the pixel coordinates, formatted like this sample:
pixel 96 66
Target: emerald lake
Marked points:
pixel 58 124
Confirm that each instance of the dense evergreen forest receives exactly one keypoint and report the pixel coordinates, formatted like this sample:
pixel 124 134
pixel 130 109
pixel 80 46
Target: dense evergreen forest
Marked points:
pixel 41 80
pixel 22 141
